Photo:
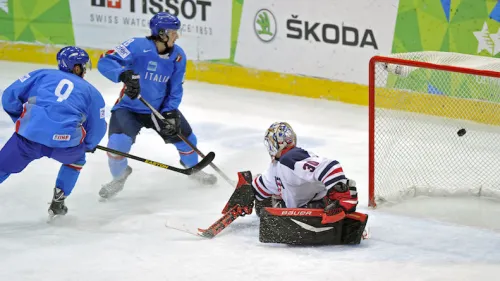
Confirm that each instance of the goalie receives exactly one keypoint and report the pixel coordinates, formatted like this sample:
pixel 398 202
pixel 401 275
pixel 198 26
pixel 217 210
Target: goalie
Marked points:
pixel 312 200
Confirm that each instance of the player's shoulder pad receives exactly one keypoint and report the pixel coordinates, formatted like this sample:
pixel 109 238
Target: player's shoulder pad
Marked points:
pixel 131 45
pixel 139 42
pixel 293 156
pixel 38 72
pixel 179 54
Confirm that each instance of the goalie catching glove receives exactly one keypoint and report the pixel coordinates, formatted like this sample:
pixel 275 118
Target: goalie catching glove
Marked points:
pixel 341 197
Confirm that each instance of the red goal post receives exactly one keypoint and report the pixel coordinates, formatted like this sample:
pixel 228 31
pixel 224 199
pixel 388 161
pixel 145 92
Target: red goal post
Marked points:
pixel 417 104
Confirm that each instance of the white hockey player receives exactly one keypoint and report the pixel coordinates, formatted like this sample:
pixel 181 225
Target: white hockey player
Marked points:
pixel 317 202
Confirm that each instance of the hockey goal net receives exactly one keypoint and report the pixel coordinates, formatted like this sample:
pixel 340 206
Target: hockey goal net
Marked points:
pixel 418 104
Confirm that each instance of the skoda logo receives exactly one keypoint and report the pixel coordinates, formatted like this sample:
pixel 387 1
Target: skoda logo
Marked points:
pixel 265 25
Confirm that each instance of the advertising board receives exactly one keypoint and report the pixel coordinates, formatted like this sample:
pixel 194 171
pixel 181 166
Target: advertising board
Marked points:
pixel 332 39
pixel 460 26
pixel 205 31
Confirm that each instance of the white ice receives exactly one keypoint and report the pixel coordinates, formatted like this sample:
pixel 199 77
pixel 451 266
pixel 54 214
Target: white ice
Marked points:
pixel 125 239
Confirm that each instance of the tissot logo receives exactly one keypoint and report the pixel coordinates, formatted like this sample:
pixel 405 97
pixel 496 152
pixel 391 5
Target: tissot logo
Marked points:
pixel 116 4
pixel 139 12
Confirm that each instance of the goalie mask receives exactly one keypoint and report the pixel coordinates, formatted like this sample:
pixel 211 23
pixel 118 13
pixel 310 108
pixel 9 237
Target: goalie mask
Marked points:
pixel 279 136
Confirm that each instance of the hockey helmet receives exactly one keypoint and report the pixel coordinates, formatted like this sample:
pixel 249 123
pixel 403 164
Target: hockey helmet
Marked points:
pixel 70 56
pixel 163 21
pixel 279 136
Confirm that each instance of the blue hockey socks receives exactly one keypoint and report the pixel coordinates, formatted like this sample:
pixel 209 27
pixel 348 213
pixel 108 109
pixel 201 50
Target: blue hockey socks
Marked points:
pixel 68 175
pixel 188 156
pixel 118 164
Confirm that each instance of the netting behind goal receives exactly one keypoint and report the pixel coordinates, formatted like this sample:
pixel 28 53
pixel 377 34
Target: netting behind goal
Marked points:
pixel 418 103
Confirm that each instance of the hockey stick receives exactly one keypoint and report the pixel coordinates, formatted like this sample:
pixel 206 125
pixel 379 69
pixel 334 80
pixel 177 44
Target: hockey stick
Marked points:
pixel 220 224
pixel 191 145
pixel 189 171
pixel 212 230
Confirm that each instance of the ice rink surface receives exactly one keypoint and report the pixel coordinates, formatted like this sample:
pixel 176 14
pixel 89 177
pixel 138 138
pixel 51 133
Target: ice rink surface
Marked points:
pixel 125 238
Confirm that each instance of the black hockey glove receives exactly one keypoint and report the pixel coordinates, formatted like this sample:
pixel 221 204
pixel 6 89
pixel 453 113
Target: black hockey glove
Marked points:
pixel 131 81
pixel 172 124
pixel 243 197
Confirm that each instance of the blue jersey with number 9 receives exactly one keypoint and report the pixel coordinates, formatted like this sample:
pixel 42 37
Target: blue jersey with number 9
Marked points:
pixel 56 109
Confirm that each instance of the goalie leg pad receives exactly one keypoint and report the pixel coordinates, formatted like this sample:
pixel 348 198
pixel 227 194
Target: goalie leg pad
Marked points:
pixel 297 226
pixel 260 205
pixel 354 226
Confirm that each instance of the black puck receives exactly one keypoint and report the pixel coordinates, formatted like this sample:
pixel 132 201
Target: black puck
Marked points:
pixel 461 132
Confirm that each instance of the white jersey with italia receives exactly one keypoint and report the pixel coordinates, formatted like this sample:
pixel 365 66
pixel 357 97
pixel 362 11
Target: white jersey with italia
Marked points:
pixel 298 177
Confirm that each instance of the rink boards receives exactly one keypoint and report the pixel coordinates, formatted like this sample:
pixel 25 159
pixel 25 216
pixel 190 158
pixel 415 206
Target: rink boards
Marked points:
pixel 217 73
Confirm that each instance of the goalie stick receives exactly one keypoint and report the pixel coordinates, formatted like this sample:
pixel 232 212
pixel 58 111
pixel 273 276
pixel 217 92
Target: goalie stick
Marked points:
pixel 188 171
pixel 241 201
pixel 212 230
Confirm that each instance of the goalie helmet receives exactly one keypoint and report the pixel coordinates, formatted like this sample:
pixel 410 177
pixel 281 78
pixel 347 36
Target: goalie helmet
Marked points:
pixel 279 136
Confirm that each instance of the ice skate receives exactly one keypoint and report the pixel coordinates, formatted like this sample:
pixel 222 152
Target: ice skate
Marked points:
pixel 57 206
pixel 112 188
pixel 202 177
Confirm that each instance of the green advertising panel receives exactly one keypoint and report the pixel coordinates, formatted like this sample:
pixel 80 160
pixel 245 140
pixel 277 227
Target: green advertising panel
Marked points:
pixel 36 21
pixel 461 26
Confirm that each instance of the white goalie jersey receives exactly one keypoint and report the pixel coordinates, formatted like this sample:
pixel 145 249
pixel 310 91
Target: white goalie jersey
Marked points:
pixel 299 177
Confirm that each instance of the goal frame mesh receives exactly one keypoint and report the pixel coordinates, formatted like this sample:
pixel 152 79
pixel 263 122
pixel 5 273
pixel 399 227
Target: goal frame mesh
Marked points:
pixel 372 103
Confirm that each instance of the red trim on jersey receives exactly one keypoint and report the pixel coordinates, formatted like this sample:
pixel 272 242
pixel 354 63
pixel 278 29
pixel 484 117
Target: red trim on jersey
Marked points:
pixel 74 166
pixel 338 170
pixel 122 93
pixel 24 111
pixel 84 134
pixel 18 124
pixel 117 157
pixel 260 188
pixel 186 153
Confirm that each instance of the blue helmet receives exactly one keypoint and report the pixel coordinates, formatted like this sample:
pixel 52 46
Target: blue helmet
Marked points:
pixel 70 56
pixel 163 21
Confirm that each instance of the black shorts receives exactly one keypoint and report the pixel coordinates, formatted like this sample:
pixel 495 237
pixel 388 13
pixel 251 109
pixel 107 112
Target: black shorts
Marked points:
pixel 124 121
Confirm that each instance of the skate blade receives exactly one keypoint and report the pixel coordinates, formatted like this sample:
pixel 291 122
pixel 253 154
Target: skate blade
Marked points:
pixel 207 182
pixel 53 218
pixel 104 198
pixel 107 196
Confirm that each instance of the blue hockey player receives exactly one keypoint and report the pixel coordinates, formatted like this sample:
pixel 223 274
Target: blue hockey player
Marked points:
pixel 153 67
pixel 57 114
